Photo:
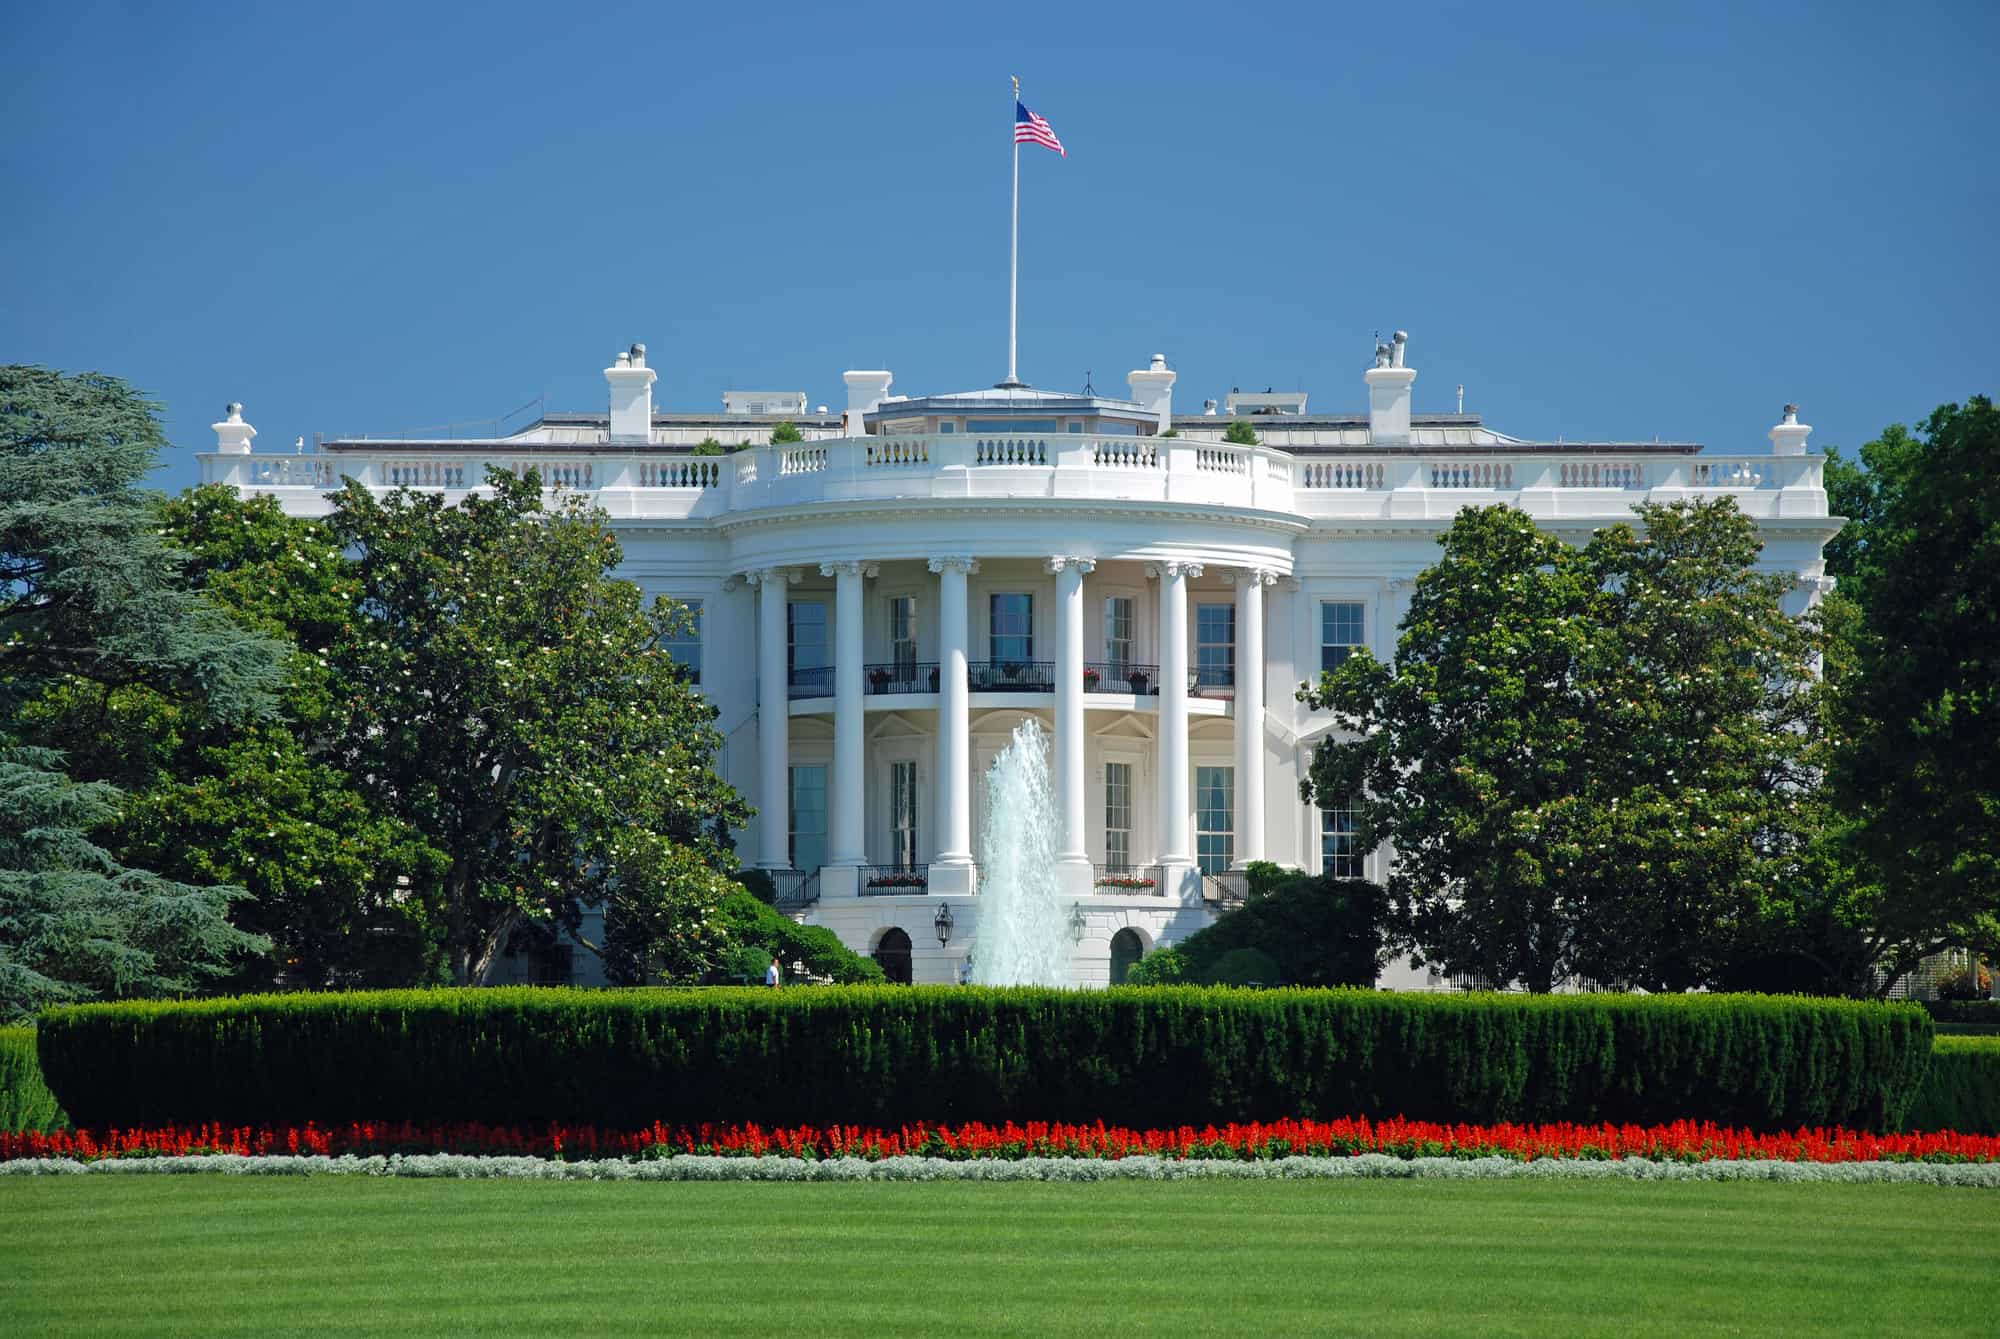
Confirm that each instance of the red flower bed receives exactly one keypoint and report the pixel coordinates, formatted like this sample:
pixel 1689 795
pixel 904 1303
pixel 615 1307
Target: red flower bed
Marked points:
pixel 1682 1141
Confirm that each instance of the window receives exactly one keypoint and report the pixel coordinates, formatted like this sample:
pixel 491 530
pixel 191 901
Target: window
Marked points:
pixel 1118 635
pixel 1006 425
pixel 1215 645
pixel 892 950
pixel 1214 818
pixel 1118 816
pixel 947 425
pixel 808 844
pixel 1339 856
pixel 1126 950
pixel 1076 426
pixel 1013 628
pixel 805 645
pixel 1340 631
pixel 683 644
pixel 903 637
pixel 903 814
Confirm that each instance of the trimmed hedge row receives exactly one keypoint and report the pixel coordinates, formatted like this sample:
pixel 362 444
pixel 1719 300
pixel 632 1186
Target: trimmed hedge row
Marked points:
pixel 1158 1056
pixel 25 1101
pixel 1964 1011
pixel 1961 1090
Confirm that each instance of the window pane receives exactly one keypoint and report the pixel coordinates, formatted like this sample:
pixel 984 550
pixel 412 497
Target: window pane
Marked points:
pixel 806 635
pixel 808 836
pixel 1215 645
pixel 1013 628
pixel 903 813
pixel 1340 631
pixel 1118 634
pixel 1118 815
pixel 1214 818
pixel 684 645
pixel 1339 856
pixel 903 636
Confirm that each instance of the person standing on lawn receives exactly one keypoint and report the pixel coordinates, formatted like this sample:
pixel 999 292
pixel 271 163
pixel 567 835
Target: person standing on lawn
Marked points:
pixel 771 973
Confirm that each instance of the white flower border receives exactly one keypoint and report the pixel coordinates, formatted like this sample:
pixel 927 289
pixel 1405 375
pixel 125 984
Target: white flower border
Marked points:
pixel 1367 1166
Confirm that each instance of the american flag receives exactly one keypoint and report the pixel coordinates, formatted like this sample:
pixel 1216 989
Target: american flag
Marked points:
pixel 1032 129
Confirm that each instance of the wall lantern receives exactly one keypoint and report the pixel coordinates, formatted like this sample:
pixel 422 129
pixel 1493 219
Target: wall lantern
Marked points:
pixel 1077 924
pixel 942 923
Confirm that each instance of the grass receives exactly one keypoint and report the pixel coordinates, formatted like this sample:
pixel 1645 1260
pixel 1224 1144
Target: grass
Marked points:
pixel 216 1255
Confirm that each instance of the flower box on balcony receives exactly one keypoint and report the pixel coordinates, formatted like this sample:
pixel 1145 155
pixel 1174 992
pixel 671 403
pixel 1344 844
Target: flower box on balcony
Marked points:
pixel 879 679
pixel 897 881
pixel 1090 677
pixel 1130 882
pixel 1138 683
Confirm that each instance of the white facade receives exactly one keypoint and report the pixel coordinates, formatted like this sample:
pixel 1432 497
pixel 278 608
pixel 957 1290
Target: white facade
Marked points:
pixel 882 603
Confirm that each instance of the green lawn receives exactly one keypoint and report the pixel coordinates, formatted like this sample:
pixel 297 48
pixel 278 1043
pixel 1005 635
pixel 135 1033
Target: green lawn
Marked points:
pixel 215 1255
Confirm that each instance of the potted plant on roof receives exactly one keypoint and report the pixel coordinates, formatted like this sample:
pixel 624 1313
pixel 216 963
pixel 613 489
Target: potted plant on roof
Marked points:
pixel 1137 680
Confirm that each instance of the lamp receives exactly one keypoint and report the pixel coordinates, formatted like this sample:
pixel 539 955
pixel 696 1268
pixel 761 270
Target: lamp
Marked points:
pixel 1077 924
pixel 942 923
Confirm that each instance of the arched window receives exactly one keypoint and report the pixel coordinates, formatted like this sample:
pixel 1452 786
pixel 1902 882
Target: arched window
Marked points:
pixel 892 950
pixel 1126 949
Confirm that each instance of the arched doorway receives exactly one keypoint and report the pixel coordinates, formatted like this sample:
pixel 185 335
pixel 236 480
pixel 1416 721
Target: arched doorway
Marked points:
pixel 892 950
pixel 1126 949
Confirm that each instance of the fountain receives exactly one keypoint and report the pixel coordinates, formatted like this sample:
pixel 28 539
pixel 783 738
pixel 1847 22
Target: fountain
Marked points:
pixel 1022 940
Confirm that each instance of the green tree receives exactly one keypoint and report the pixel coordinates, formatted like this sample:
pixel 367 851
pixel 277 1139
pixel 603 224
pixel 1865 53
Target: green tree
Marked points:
pixel 786 433
pixel 345 894
pixel 1917 769
pixel 508 698
pixel 1310 931
pixel 708 446
pixel 1589 760
pixel 91 594
pixel 1240 432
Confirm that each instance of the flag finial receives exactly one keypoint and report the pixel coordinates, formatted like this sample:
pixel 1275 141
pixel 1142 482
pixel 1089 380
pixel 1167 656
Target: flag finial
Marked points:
pixel 1017 85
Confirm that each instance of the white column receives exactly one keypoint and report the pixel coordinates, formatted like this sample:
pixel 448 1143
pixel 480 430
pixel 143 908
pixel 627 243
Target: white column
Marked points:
pixel 1072 856
pixel 1250 585
pixel 849 845
pixel 1176 847
pixel 774 706
pixel 951 867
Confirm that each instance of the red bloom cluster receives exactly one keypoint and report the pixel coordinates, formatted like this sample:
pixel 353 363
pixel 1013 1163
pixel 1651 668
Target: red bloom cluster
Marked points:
pixel 1682 1141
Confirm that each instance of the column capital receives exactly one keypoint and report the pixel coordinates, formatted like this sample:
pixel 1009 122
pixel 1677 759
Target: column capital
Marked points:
pixel 1396 585
pixel 955 562
pixel 763 576
pixel 850 568
pixel 1249 576
pixel 1173 567
pixel 1060 561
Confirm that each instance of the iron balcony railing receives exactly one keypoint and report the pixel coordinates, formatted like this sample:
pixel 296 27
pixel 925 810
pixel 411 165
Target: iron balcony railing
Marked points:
pixel 1117 880
pixel 797 889
pixel 816 681
pixel 894 880
pixel 1120 676
pixel 1011 676
pixel 1227 889
pixel 1212 681
pixel 907 676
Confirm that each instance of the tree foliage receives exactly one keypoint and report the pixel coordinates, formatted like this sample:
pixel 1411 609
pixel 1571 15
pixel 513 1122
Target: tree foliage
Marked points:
pixel 786 433
pixel 1240 432
pixel 93 600
pixel 507 698
pixel 1589 760
pixel 1918 763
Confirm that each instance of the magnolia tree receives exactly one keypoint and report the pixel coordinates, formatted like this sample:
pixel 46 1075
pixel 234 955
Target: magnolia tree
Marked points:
pixel 1591 761
pixel 507 698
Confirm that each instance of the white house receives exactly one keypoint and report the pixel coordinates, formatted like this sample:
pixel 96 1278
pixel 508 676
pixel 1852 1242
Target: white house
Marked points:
pixel 881 603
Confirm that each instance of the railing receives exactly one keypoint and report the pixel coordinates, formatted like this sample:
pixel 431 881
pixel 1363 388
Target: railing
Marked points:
pixel 1227 889
pixel 1752 473
pixel 1213 681
pixel 795 888
pixel 1341 474
pixel 1127 453
pixel 894 880
pixel 801 459
pixel 1010 451
pixel 1600 474
pixel 291 471
pixel 888 452
pixel 577 474
pixel 1120 676
pixel 1011 676
pixel 1490 474
pixel 695 472
pixel 1222 460
pixel 1126 881
pixel 816 681
pixel 913 676
pixel 424 473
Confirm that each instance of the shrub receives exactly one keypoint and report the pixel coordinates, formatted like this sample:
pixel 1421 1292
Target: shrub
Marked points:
pixel 25 1101
pixel 1308 930
pixel 1960 984
pixel 760 883
pixel 745 965
pixel 1244 967
pixel 1164 966
pixel 708 446
pixel 888 1055
pixel 1964 1011
pixel 1240 432
pixel 1961 1090
pixel 786 433
pixel 749 922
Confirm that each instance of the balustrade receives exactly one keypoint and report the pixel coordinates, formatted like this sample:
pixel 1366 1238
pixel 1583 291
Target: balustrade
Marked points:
pixel 1129 453
pixel 1491 474
pixel 424 473
pixel 1222 460
pixel 577 474
pixel 1600 474
pixel 681 472
pixel 1341 473
pixel 1010 451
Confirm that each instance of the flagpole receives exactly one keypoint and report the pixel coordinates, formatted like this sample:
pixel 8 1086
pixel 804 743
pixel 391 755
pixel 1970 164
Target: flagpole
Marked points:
pixel 1014 254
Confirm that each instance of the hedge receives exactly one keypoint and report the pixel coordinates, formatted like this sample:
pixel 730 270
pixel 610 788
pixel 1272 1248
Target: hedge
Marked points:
pixel 1964 1011
pixel 1157 1056
pixel 25 1101
pixel 1961 1091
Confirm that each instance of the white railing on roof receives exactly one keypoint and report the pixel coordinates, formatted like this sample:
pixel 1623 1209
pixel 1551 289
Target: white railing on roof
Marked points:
pixel 637 482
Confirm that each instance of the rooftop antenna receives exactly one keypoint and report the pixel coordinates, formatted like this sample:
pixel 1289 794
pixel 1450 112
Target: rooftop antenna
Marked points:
pixel 1461 397
pixel 1088 389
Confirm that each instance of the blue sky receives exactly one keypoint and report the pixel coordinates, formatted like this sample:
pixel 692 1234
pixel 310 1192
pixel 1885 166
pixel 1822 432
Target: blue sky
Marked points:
pixel 1607 222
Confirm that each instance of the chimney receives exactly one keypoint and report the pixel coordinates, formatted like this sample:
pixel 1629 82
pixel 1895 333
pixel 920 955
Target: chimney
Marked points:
pixel 631 383
pixel 1153 388
pixel 1389 385
pixel 1789 437
pixel 865 390
pixel 232 435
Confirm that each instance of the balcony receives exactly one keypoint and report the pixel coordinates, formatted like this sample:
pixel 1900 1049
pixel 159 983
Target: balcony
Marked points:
pixel 1120 676
pixel 902 676
pixel 894 880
